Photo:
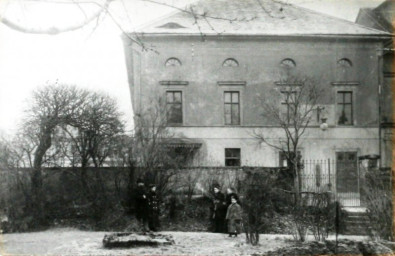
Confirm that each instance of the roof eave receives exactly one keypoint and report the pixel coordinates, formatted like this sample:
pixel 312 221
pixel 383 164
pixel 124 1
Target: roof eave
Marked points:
pixel 381 36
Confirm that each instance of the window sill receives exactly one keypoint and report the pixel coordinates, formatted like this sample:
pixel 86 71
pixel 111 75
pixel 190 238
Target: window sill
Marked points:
pixel 345 83
pixel 181 83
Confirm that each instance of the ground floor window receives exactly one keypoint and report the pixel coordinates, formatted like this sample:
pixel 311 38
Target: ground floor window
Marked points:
pixel 232 156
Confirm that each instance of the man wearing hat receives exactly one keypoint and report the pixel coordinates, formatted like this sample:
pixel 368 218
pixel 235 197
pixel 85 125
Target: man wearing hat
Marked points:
pixel 141 205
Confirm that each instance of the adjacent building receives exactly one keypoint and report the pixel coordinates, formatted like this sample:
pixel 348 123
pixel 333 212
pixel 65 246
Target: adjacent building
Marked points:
pixel 382 18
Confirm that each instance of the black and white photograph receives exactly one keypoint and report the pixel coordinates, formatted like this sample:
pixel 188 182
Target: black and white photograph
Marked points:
pixel 196 127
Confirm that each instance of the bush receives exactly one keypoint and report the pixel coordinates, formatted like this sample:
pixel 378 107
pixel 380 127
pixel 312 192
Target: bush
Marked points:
pixel 258 204
pixel 378 197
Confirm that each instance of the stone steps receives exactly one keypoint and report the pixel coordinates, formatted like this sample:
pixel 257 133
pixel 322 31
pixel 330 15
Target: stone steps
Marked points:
pixel 357 223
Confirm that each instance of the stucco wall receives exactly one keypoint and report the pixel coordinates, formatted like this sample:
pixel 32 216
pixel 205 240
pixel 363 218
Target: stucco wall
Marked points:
pixel 316 144
pixel 259 66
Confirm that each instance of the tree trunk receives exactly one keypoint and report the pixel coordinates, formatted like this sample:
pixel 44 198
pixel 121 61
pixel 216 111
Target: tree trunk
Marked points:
pixel 38 196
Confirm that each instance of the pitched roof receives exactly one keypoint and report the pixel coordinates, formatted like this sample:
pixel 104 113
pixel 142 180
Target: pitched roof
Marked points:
pixel 381 17
pixel 253 17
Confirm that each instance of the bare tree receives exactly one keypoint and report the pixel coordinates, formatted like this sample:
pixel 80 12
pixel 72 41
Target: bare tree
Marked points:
pixel 51 106
pixel 290 106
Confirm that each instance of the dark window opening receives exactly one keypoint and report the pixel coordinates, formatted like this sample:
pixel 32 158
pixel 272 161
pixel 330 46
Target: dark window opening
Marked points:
pixel 344 108
pixel 232 157
pixel 174 107
pixel 232 108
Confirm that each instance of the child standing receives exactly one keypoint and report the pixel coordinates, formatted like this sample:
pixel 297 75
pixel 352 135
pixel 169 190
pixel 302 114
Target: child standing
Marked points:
pixel 233 216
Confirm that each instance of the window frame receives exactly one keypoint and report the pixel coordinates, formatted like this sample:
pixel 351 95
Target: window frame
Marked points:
pixel 343 92
pixel 231 103
pixel 168 104
pixel 237 158
pixel 286 94
pixel 178 61
pixel 227 61
pixel 288 63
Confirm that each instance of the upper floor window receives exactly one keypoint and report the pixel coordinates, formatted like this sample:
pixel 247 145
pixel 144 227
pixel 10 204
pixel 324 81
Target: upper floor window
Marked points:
pixel 344 63
pixel 288 63
pixel 344 108
pixel 288 105
pixel 174 107
pixel 230 63
pixel 232 157
pixel 232 108
pixel 173 62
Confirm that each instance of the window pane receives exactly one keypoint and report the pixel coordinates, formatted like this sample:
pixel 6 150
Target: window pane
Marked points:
pixel 347 110
pixel 232 162
pixel 177 97
pixel 175 114
pixel 169 97
pixel 235 97
pixel 232 152
pixel 228 109
pixel 347 97
pixel 227 97
pixel 235 114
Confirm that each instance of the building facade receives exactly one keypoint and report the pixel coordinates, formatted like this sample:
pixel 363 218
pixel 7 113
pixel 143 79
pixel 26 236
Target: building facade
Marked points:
pixel 212 70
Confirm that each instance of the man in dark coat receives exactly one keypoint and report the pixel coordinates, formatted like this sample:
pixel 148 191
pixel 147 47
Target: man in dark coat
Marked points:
pixel 153 209
pixel 219 210
pixel 141 205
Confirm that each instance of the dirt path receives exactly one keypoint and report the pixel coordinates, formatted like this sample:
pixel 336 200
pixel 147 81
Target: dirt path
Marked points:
pixel 66 241
pixel 75 242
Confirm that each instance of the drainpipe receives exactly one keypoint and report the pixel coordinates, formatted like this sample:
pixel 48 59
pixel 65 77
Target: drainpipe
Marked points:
pixel 379 74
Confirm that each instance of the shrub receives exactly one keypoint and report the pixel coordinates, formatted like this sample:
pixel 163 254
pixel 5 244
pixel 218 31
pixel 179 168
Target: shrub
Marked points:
pixel 258 207
pixel 378 197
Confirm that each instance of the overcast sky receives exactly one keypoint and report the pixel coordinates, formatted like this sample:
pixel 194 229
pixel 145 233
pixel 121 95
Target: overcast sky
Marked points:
pixel 91 58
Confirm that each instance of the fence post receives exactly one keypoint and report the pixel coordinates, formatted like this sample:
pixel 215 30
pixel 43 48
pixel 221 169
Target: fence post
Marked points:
pixel 329 175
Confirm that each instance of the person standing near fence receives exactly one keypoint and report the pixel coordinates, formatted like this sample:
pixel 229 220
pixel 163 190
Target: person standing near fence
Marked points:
pixel 234 216
pixel 219 211
pixel 153 209
pixel 141 205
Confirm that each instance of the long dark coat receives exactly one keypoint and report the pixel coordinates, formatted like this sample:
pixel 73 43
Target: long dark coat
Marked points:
pixel 234 216
pixel 153 211
pixel 141 204
pixel 219 212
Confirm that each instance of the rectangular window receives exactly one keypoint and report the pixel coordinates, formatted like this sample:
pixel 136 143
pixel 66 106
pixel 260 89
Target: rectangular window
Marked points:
pixel 232 108
pixel 288 105
pixel 344 108
pixel 174 107
pixel 232 157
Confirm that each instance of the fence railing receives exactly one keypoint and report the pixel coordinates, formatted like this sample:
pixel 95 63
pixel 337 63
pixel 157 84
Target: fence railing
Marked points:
pixel 322 176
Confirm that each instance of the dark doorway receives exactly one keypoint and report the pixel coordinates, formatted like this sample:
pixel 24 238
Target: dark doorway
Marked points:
pixel 346 172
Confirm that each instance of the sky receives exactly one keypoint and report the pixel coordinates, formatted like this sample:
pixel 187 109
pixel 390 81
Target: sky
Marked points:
pixel 91 57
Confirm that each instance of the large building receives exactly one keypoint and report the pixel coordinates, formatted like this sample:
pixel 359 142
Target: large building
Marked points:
pixel 213 62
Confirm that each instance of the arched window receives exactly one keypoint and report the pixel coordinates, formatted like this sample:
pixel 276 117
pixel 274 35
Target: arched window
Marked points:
pixel 230 62
pixel 344 63
pixel 173 62
pixel 288 63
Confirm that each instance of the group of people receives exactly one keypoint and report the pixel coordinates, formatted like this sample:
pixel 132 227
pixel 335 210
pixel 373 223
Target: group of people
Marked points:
pixel 226 212
pixel 147 206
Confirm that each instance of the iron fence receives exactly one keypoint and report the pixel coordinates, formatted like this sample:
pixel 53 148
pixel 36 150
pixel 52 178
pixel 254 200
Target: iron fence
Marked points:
pixel 323 176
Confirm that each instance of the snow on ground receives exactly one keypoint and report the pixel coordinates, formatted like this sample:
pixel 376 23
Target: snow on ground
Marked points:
pixel 66 241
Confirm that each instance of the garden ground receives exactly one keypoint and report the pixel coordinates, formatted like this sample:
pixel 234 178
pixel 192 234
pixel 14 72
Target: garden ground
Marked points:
pixel 67 241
